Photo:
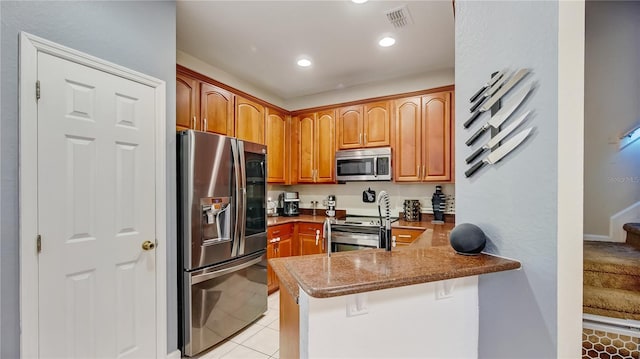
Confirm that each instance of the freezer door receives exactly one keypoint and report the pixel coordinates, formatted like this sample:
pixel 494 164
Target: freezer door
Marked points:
pixel 219 301
pixel 208 199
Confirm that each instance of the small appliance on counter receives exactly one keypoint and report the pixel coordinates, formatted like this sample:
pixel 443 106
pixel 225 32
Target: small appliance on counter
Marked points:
pixel 330 203
pixel 412 210
pixel 291 204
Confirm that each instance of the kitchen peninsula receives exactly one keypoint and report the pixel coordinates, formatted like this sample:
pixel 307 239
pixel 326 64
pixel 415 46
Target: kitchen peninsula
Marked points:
pixel 416 301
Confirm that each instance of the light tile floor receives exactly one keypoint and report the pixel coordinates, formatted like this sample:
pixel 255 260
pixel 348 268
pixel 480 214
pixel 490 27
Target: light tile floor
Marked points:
pixel 260 340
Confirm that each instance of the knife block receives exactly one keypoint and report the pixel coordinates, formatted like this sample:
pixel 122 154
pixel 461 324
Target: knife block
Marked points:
pixel 412 210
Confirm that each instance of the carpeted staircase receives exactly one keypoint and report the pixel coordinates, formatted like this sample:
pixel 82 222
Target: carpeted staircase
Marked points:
pixel 611 280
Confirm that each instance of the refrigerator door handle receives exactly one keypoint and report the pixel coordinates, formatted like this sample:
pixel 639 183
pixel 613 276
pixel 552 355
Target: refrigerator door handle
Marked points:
pixel 199 278
pixel 243 199
pixel 238 194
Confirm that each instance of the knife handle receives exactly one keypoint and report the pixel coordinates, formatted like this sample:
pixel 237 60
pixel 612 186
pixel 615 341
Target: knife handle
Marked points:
pixel 472 119
pixel 473 169
pixel 476 135
pixel 477 104
pixel 477 94
pixel 474 155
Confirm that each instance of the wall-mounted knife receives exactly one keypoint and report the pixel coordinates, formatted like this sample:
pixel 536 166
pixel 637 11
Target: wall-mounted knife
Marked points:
pixel 497 138
pixel 502 151
pixel 503 114
pixel 512 82
pixel 487 85
pixel 492 90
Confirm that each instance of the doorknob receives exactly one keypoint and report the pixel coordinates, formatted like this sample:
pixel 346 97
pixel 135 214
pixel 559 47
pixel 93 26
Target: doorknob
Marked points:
pixel 148 245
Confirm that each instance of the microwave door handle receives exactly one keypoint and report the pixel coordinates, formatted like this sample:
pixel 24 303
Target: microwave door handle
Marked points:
pixel 375 167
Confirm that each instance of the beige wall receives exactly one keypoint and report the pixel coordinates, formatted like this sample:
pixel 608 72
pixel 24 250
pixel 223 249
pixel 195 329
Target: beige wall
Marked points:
pixel 349 195
pixel 612 106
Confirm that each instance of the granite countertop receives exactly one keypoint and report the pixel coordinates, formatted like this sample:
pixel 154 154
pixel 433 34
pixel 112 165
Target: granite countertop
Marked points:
pixel 429 258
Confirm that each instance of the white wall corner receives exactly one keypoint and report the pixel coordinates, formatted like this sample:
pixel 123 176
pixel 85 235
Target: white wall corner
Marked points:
pixel 629 214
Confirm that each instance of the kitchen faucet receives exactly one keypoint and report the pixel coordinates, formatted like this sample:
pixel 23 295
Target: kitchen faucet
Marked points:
pixel 326 234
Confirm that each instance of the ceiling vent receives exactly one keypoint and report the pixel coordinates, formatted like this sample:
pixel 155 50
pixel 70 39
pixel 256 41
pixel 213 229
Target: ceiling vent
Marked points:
pixel 399 17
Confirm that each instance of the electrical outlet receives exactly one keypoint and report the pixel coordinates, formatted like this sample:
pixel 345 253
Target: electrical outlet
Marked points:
pixel 357 304
pixel 444 289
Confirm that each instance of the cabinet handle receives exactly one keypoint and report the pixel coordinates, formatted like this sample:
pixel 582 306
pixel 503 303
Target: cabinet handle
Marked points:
pixel 193 122
pixel 360 139
pixel 404 235
pixel 205 125
pixel 424 172
pixel 317 236
pixel 365 138
pixel 418 170
pixel 276 232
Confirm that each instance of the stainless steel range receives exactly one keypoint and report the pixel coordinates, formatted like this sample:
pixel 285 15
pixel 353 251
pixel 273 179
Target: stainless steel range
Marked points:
pixel 356 232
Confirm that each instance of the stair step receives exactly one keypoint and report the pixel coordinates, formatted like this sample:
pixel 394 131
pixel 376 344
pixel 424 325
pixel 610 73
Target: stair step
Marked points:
pixel 610 302
pixel 609 257
pixel 611 280
pixel 633 234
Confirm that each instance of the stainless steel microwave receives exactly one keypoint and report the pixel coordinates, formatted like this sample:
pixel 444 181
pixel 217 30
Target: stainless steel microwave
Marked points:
pixel 373 164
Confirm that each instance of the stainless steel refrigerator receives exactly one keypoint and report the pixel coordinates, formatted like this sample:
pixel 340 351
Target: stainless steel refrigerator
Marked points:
pixel 222 237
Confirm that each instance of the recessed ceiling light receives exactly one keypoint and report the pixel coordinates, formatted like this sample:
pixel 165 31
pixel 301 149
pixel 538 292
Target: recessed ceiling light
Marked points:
pixel 304 62
pixel 359 1
pixel 387 41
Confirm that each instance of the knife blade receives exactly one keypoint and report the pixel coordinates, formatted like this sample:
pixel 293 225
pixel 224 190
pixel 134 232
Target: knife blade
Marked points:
pixel 489 93
pixel 497 138
pixel 502 151
pixel 487 85
pixel 505 88
pixel 503 114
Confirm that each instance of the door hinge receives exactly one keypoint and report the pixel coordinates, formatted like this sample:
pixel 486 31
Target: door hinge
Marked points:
pixel 39 243
pixel 38 90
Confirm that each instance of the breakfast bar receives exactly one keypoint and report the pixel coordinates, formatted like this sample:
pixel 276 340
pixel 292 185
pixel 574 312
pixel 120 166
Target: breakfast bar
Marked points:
pixel 375 303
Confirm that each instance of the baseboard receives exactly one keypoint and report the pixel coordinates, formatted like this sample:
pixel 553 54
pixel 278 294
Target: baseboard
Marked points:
pixel 174 355
pixel 596 238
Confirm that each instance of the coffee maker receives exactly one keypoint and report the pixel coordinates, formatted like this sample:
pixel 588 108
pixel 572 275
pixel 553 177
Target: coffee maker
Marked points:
pixel 291 203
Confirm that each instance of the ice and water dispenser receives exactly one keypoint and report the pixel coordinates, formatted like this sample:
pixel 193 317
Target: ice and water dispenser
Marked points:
pixel 215 219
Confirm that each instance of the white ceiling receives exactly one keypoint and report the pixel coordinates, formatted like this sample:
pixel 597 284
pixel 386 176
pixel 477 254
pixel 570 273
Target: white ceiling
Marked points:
pixel 260 41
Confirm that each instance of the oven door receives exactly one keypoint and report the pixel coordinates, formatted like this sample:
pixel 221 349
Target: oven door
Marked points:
pixel 348 239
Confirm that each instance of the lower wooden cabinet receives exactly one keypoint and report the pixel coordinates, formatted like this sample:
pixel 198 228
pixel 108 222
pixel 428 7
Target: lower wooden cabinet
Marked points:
pixel 310 238
pixel 404 236
pixel 279 244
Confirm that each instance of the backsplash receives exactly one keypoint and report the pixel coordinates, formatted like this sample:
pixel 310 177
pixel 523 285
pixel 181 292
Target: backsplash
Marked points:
pixel 349 195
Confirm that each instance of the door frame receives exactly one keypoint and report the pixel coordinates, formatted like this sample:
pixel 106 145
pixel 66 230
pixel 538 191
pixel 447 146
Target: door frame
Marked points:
pixel 30 45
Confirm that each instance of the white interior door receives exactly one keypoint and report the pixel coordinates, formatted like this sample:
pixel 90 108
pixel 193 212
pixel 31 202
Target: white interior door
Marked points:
pixel 96 207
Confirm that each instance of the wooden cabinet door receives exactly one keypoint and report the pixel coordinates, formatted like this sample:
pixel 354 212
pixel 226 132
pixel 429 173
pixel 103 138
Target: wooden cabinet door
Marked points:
pixel 277 154
pixel 310 238
pixel 350 127
pixel 436 131
pixel 187 98
pixel 272 281
pixel 249 120
pixel 325 147
pixel 407 153
pixel 377 124
pixel 306 143
pixel 285 248
pixel 216 110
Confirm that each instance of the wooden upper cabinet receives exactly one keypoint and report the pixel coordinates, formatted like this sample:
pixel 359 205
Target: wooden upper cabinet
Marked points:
pixel 249 120
pixel 216 110
pixel 306 143
pixel 422 137
pixel 367 125
pixel 316 147
pixel 377 124
pixel 436 112
pixel 277 139
pixel 407 160
pixel 187 102
pixel 325 146
pixel 350 124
